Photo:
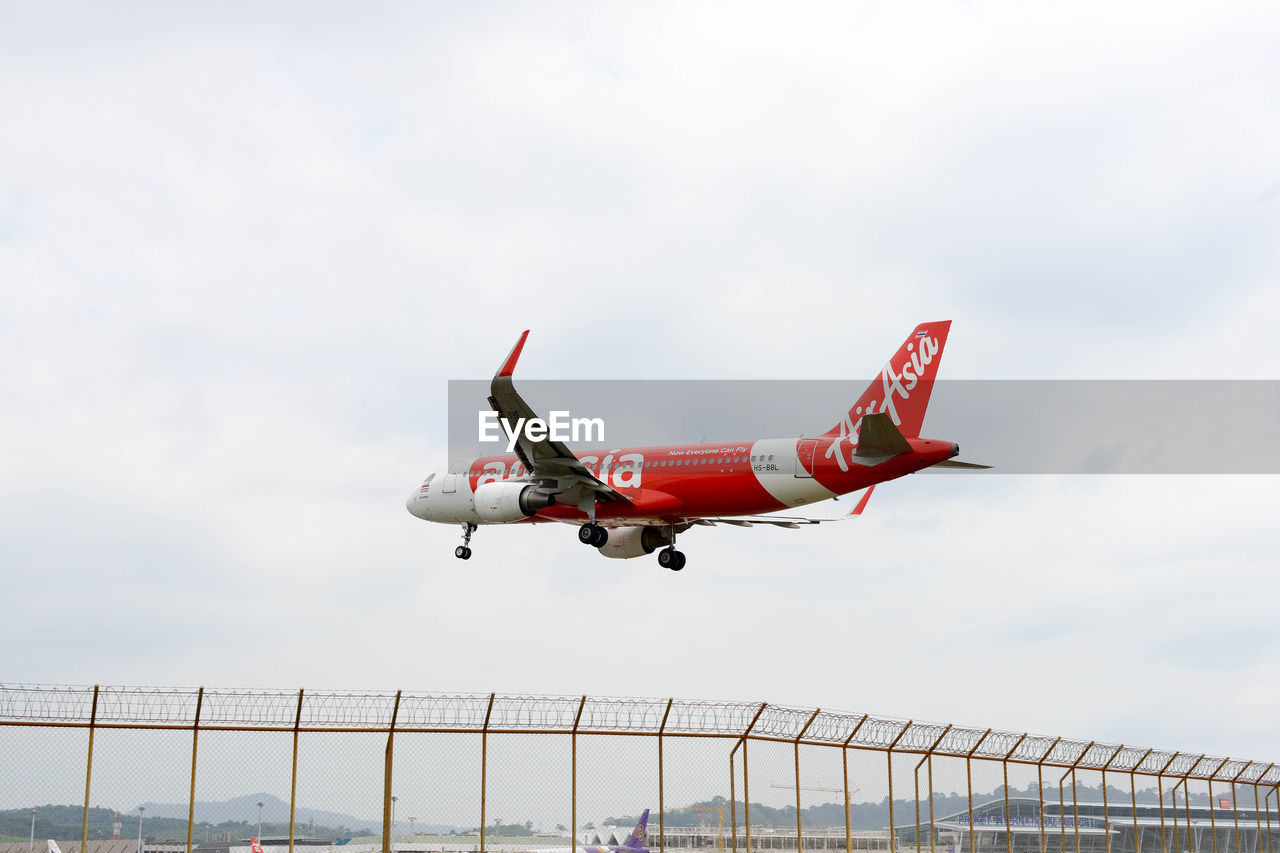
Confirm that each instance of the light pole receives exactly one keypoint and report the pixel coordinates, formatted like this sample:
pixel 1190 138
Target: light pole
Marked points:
pixel 32 843
pixel 259 821
pixel 393 823
pixel 411 820
pixel 141 809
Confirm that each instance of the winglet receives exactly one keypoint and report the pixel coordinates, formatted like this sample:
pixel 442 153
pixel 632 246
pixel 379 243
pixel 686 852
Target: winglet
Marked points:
pixel 509 366
pixel 862 502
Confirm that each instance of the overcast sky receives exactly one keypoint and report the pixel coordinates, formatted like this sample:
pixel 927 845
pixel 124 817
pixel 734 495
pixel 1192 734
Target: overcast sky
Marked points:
pixel 244 247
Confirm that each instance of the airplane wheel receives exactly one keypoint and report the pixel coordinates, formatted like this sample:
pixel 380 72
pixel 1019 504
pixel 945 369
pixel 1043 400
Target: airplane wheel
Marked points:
pixel 593 535
pixel 670 558
pixel 462 552
pixel 679 561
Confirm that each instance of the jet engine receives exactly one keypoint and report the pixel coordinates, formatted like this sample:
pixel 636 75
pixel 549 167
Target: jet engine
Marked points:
pixel 628 542
pixel 501 502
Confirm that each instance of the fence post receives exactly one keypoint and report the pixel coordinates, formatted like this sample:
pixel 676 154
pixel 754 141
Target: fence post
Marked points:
pixel 928 756
pixel 888 755
pixel 386 778
pixel 733 796
pixel 1040 788
pixel 1235 812
pixel 484 767
pixel 1133 794
pixel 88 774
pixel 1257 812
pixel 844 756
pixel 574 793
pixel 293 784
pixel 1213 823
pixel 1257 815
pixel 799 820
pixel 662 826
pixel 968 774
pixel 1175 816
pixel 1106 814
pixel 1004 766
pixel 1062 807
pixel 746 779
pixel 1164 842
pixel 1267 802
pixel 1186 797
pixel 195 741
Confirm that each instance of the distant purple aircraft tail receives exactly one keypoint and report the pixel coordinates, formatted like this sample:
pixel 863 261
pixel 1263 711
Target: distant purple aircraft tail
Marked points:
pixel 638 835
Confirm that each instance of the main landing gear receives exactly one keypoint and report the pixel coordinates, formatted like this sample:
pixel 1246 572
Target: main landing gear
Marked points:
pixel 669 557
pixel 592 534
pixel 463 551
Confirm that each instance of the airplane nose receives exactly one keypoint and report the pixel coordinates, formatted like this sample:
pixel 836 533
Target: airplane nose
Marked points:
pixel 955 449
pixel 412 503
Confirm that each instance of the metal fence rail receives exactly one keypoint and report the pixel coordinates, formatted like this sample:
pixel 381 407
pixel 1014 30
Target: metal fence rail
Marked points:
pixel 907 747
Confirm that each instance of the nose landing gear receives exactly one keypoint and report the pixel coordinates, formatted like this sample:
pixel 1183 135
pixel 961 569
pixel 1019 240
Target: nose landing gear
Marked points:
pixel 463 551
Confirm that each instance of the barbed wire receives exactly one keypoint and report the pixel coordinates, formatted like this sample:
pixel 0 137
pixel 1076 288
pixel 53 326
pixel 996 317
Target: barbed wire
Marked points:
pixel 276 710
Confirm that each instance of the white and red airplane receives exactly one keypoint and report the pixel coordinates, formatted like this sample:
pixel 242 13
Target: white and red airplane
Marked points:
pixel 632 501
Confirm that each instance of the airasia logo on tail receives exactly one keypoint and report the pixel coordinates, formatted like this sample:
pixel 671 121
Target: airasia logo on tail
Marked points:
pixel 912 373
pixel 894 384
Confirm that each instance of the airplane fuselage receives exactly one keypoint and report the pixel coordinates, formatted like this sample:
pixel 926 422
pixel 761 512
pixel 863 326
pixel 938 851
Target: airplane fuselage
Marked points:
pixel 670 482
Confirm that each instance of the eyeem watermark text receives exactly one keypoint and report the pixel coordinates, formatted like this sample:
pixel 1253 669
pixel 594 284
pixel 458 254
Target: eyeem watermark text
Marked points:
pixel 559 427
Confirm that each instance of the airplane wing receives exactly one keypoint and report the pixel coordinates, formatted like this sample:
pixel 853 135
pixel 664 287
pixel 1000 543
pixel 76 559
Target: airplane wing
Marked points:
pixel 753 520
pixel 548 461
pixel 785 520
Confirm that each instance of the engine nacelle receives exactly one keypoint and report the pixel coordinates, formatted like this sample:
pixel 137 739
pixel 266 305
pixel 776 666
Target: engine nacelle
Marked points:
pixel 627 542
pixel 501 502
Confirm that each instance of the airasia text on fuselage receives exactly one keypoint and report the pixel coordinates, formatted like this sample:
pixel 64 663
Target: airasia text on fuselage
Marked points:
pixel 625 469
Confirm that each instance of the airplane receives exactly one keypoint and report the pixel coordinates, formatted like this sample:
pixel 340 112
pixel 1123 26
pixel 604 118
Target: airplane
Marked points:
pixel 634 843
pixel 630 502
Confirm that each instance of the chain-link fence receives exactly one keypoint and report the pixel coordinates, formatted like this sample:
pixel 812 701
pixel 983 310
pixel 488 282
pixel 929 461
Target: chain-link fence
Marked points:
pixel 151 770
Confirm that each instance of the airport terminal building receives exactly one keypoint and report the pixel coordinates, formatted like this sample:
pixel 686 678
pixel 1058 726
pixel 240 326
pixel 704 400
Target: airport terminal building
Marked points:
pixel 1088 827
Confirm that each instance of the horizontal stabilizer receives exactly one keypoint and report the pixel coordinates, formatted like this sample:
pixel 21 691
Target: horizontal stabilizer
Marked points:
pixel 878 438
pixel 956 463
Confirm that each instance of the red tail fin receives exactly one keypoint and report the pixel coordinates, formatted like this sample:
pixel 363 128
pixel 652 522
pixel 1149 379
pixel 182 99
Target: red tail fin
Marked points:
pixel 905 383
